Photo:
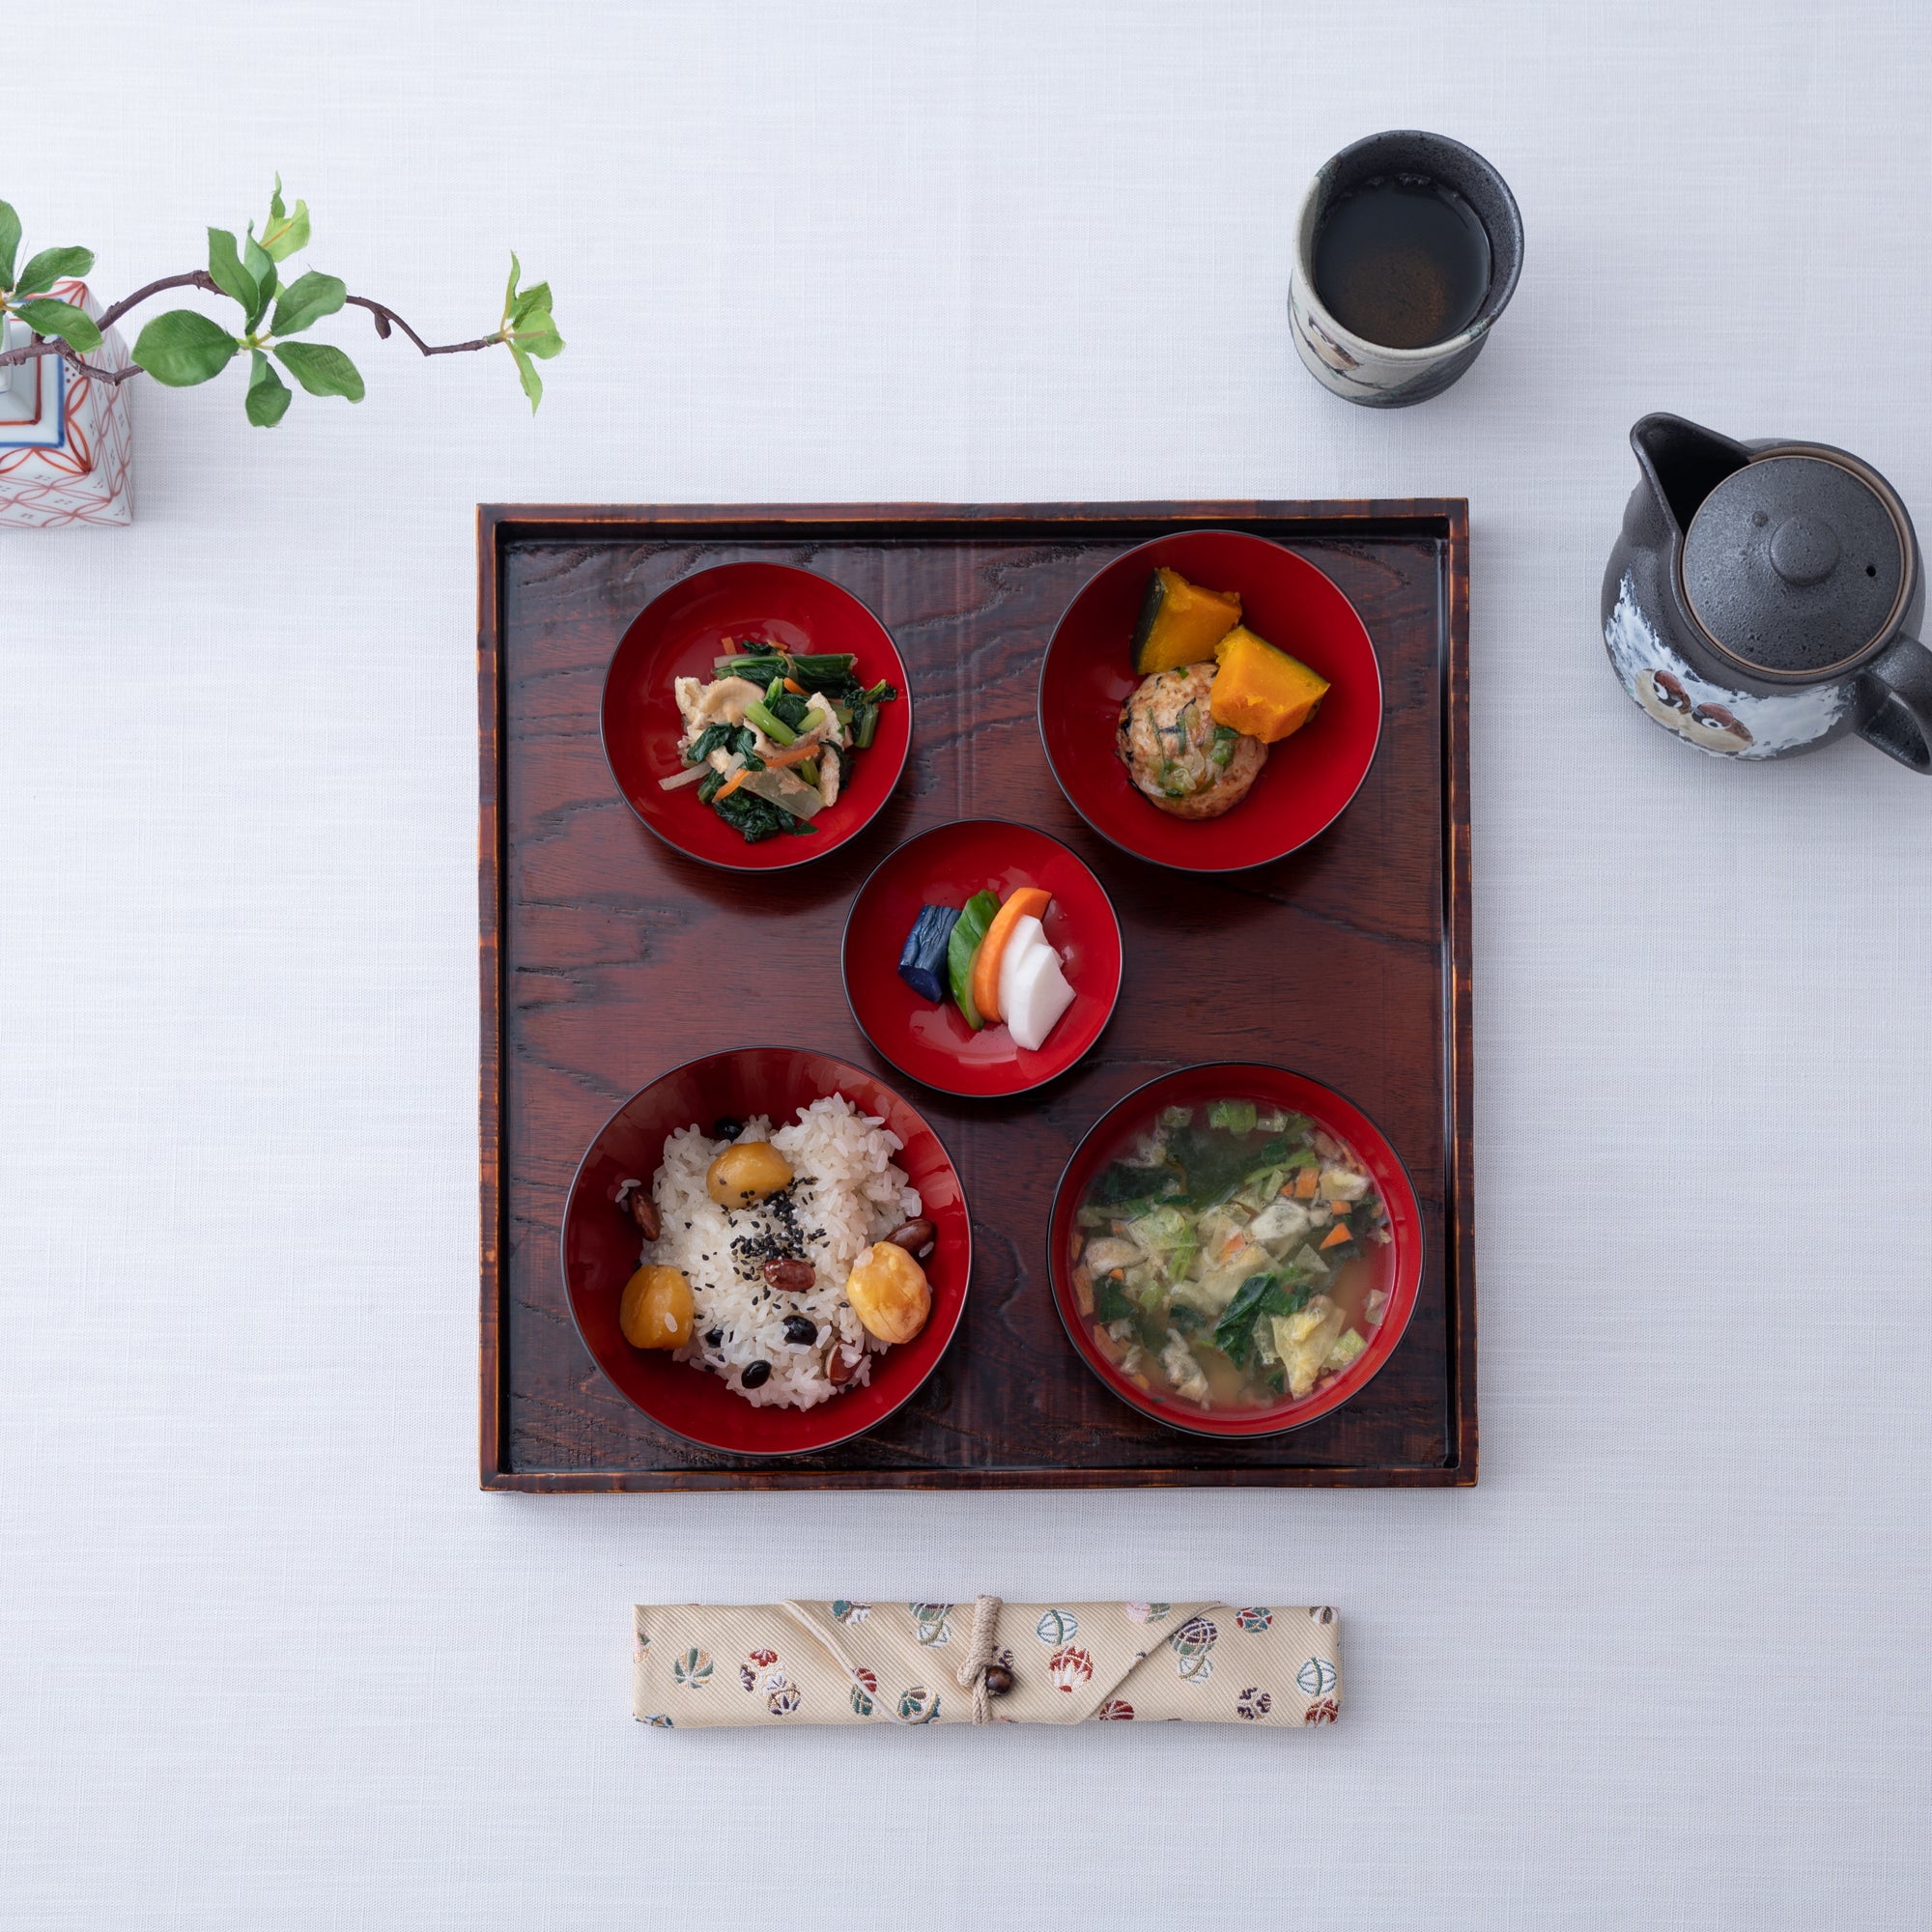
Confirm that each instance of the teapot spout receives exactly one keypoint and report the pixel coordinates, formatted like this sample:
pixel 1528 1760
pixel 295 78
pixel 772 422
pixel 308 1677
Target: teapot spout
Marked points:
pixel 1683 464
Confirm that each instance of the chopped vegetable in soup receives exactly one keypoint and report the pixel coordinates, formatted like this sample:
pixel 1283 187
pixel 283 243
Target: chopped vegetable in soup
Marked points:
pixel 1231 1255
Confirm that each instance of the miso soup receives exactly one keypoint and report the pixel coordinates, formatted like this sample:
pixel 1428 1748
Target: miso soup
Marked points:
pixel 1231 1255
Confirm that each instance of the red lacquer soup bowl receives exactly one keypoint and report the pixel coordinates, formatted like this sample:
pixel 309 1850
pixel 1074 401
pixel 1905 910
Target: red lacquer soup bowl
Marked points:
pixel 1309 778
pixel 602 1248
pixel 946 867
pixel 1197 1087
pixel 679 634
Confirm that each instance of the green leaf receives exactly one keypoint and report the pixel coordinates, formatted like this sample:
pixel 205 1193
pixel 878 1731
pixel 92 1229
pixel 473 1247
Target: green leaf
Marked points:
pixel 10 243
pixel 224 264
pixel 47 268
pixel 181 348
pixel 533 301
pixel 256 260
pixel 320 370
pixel 543 342
pixel 527 376
pixel 268 396
pixel 510 293
pixel 284 234
pixel 73 325
pixel 312 297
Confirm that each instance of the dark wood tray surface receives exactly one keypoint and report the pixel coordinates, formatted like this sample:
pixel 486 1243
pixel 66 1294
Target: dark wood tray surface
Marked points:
pixel 607 959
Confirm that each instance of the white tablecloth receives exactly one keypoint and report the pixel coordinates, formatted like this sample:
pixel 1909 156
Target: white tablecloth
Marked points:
pixel 266 1656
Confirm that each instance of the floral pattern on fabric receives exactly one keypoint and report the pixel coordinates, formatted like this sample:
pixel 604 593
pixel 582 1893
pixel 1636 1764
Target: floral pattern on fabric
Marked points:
pixel 933 1623
pixel 1069 1666
pixel 1254 1621
pixel 782 1696
pixel 693 1669
pixel 913 1706
pixel 1253 1703
pixel 658 1722
pixel 864 1691
pixel 850 1614
pixel 1115 1711
pixel 1324 1711
pixel 1148 1613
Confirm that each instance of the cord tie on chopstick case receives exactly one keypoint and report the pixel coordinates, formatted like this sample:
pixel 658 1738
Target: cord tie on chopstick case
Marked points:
pixel 977 1674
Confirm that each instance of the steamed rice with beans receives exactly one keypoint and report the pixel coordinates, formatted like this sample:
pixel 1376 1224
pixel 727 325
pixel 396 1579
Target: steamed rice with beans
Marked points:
pixel 847 1193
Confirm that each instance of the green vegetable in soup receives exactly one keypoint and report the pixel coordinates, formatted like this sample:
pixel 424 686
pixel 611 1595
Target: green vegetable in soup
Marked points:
pixel 1236 1115
pixel 1123 1186
pixel 1111 1302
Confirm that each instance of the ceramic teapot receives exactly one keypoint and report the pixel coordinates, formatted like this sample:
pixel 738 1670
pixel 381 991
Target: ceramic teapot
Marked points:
pixel 1763 598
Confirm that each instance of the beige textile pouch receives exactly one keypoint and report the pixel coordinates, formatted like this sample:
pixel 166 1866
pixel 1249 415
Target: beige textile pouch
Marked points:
pixel 700 1666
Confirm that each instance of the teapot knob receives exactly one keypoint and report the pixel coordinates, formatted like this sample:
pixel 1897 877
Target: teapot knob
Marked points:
pixel 1803 550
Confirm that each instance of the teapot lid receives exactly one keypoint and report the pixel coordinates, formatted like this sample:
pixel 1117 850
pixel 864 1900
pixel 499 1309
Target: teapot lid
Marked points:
pixel 1795 564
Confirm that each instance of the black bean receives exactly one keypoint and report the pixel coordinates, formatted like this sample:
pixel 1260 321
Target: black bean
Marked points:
pixel 801 1328
pixel 715 1337
pixel 756 1375
pixel 725 1128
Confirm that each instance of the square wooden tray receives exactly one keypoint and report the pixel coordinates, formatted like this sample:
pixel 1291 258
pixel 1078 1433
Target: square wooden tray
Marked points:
pixel 606 957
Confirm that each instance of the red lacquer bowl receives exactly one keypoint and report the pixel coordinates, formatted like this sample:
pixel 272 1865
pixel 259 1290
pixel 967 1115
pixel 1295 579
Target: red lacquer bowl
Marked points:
pixel 601 1246
pixel 946 867
pixel 1273 1086
pixel 678 634
pixel 1309 778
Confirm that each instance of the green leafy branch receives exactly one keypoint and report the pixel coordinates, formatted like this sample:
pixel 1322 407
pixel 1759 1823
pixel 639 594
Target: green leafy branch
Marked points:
pixel 182 347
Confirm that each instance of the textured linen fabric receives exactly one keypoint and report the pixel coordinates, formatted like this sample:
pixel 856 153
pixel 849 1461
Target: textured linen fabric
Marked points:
pixel 736 1667
pixel 266 1656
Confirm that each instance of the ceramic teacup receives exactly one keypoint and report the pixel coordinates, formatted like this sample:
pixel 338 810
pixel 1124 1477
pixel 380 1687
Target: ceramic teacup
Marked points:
pixel 1372 373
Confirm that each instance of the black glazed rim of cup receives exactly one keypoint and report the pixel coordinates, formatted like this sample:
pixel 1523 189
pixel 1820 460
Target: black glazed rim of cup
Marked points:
pixel 1457 166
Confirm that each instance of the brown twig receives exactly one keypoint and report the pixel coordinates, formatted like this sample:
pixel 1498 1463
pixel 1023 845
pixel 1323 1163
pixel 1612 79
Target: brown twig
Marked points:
pixel 195 278
pixel 199 279
pixel 385 317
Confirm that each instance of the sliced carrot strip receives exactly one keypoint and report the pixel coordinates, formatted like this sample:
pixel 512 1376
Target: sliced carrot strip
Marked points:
pixel 1022 901
pixel 793 755
pixel 793 686
pixel 1306 1183
pixel 731 784
pixel 1336 1235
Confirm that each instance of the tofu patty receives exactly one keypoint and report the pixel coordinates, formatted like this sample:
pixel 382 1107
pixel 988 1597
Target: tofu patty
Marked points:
pixel 1176 755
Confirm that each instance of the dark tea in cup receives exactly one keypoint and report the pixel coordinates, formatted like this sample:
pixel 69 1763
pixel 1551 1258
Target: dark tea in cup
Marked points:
pixel 1402 260
pixel 1406 248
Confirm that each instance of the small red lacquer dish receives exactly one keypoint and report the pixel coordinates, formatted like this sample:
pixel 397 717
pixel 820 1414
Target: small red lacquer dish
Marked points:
pixel 946 867
pixel 679 634
pixel 1272 1087
pixel 602 1248
pixel 1309 778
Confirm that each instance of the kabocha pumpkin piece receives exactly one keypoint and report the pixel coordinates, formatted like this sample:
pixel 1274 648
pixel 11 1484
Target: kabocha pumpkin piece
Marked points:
pixel 1181 622
pixel 1261 691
